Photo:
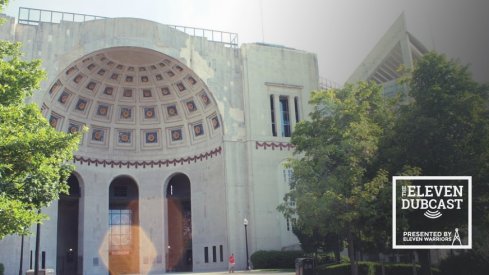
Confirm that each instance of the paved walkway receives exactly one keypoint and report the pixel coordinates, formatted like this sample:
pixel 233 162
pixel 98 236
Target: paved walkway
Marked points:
pixel 253 272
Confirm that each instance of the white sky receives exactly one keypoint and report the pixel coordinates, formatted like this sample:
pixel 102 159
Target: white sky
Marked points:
pixel 340 32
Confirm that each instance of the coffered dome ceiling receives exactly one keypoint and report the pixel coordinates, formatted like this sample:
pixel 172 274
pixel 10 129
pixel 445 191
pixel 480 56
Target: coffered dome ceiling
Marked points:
pixel 136 102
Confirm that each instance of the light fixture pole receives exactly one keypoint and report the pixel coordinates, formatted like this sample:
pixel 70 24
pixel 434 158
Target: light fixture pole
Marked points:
pixel 21 253
pixel 245 222
pixel 38 242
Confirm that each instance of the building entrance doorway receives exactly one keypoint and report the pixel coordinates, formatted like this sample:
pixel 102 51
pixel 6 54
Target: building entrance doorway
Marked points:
pixel 123 226
pixel 179 224
pixel 67 261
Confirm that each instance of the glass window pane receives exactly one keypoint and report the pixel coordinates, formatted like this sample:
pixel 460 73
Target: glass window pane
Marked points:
pixel 125 240
pixel 284 116
pixel 115 219
pixel 115 240
pixel 120 229
pixel 115 230
pixel 125 230
pixel 125 219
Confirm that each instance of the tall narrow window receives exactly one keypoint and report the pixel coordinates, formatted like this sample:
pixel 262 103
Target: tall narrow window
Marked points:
pixel 221 253
pixel 284 116
pixel 214 254
pixel 288 174
pixel 272 113
pixel 206 254
pixel 296 107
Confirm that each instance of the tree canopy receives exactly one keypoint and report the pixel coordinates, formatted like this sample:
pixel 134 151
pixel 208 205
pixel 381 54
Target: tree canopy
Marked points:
pixel 445 131
pixel 332 187
pixel 33 155
pixel 356 140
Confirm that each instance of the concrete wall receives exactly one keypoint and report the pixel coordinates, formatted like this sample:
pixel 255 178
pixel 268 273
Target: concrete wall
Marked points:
pixel 272 70
pixel 243 181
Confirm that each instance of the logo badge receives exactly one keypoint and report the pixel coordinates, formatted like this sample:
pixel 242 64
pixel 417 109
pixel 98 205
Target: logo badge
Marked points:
pixel 432 212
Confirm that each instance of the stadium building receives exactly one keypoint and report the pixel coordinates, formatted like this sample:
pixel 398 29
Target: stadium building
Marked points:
pixel 182 164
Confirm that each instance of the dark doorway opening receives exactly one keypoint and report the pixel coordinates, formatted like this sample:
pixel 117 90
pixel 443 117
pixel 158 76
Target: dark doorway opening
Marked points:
pixel 123 232
pixel 67 260
pixel 179 224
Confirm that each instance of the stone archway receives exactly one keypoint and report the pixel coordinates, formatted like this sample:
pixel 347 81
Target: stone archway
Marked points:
pixel 144 110
pixel 179 224
pixel 123 226
pixel 67 262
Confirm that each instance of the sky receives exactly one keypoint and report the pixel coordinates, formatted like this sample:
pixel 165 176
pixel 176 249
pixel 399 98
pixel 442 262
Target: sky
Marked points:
pixel 340 32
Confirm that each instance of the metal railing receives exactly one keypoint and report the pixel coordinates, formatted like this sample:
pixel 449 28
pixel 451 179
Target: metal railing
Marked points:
pixel 227 38
pixel 32 16
pixel 325 83
pixel 35 16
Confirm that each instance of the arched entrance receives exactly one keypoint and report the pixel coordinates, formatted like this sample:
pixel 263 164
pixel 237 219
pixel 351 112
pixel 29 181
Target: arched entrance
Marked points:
pixel 144 109
pixel 67 240
pixel 179 224
pixel 123 226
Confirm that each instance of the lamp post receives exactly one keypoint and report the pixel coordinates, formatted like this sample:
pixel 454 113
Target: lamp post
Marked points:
pixel 245 222
pixel 21 253
pixel 38 242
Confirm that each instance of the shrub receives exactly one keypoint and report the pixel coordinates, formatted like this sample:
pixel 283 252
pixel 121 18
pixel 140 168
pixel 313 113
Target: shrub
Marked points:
pixel 370 268
pixel 465 263
pixel 2 269
pixel 364 268
pixel 336 269
pixel 329 259
pixel 404 269
pixel 399 269
pixel 275 259
pixel 325 259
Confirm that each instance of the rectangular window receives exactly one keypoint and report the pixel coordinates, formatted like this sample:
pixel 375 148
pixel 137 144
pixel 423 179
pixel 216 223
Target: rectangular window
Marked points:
pixel 296 106
pixel 206 254
pixel 288 225
pixel 288 174
pixel 272 113
pixel 221 253
pixel 284 116
pixel 214 254
pixel 120 221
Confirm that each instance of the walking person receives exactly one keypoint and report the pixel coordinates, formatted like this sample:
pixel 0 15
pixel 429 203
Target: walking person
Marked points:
pixel 232 262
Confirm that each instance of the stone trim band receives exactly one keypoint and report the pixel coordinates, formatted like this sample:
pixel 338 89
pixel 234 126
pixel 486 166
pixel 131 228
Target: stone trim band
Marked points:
pixel 273 145
pixel 151 163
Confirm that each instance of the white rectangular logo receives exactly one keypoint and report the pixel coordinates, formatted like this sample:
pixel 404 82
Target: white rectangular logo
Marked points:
pixel 432 212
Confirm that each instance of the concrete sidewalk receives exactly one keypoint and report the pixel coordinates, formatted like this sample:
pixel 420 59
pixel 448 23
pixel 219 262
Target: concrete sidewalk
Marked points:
pixel 240 272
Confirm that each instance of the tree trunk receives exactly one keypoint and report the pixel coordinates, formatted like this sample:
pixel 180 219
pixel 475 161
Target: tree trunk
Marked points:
pixel 382 263
pixel 337 251
pixel 337 255
pixel 351 254
pixel 425 261
pixel 413 255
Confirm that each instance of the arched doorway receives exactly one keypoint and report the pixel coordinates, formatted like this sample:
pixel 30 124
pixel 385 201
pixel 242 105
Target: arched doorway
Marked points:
pixel 123 226
pixel 179 224
pixel 67 240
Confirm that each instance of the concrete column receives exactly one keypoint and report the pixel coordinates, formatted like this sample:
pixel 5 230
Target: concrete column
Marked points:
pixel 151 207
pixel 94 215
pixel 49 240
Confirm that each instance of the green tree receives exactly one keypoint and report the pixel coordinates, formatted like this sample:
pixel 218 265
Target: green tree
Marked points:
pixel 333 189
pixel 33 155
pixel 444 130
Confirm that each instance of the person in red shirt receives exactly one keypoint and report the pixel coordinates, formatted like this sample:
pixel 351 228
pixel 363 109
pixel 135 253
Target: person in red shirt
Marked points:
pixel 232 262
